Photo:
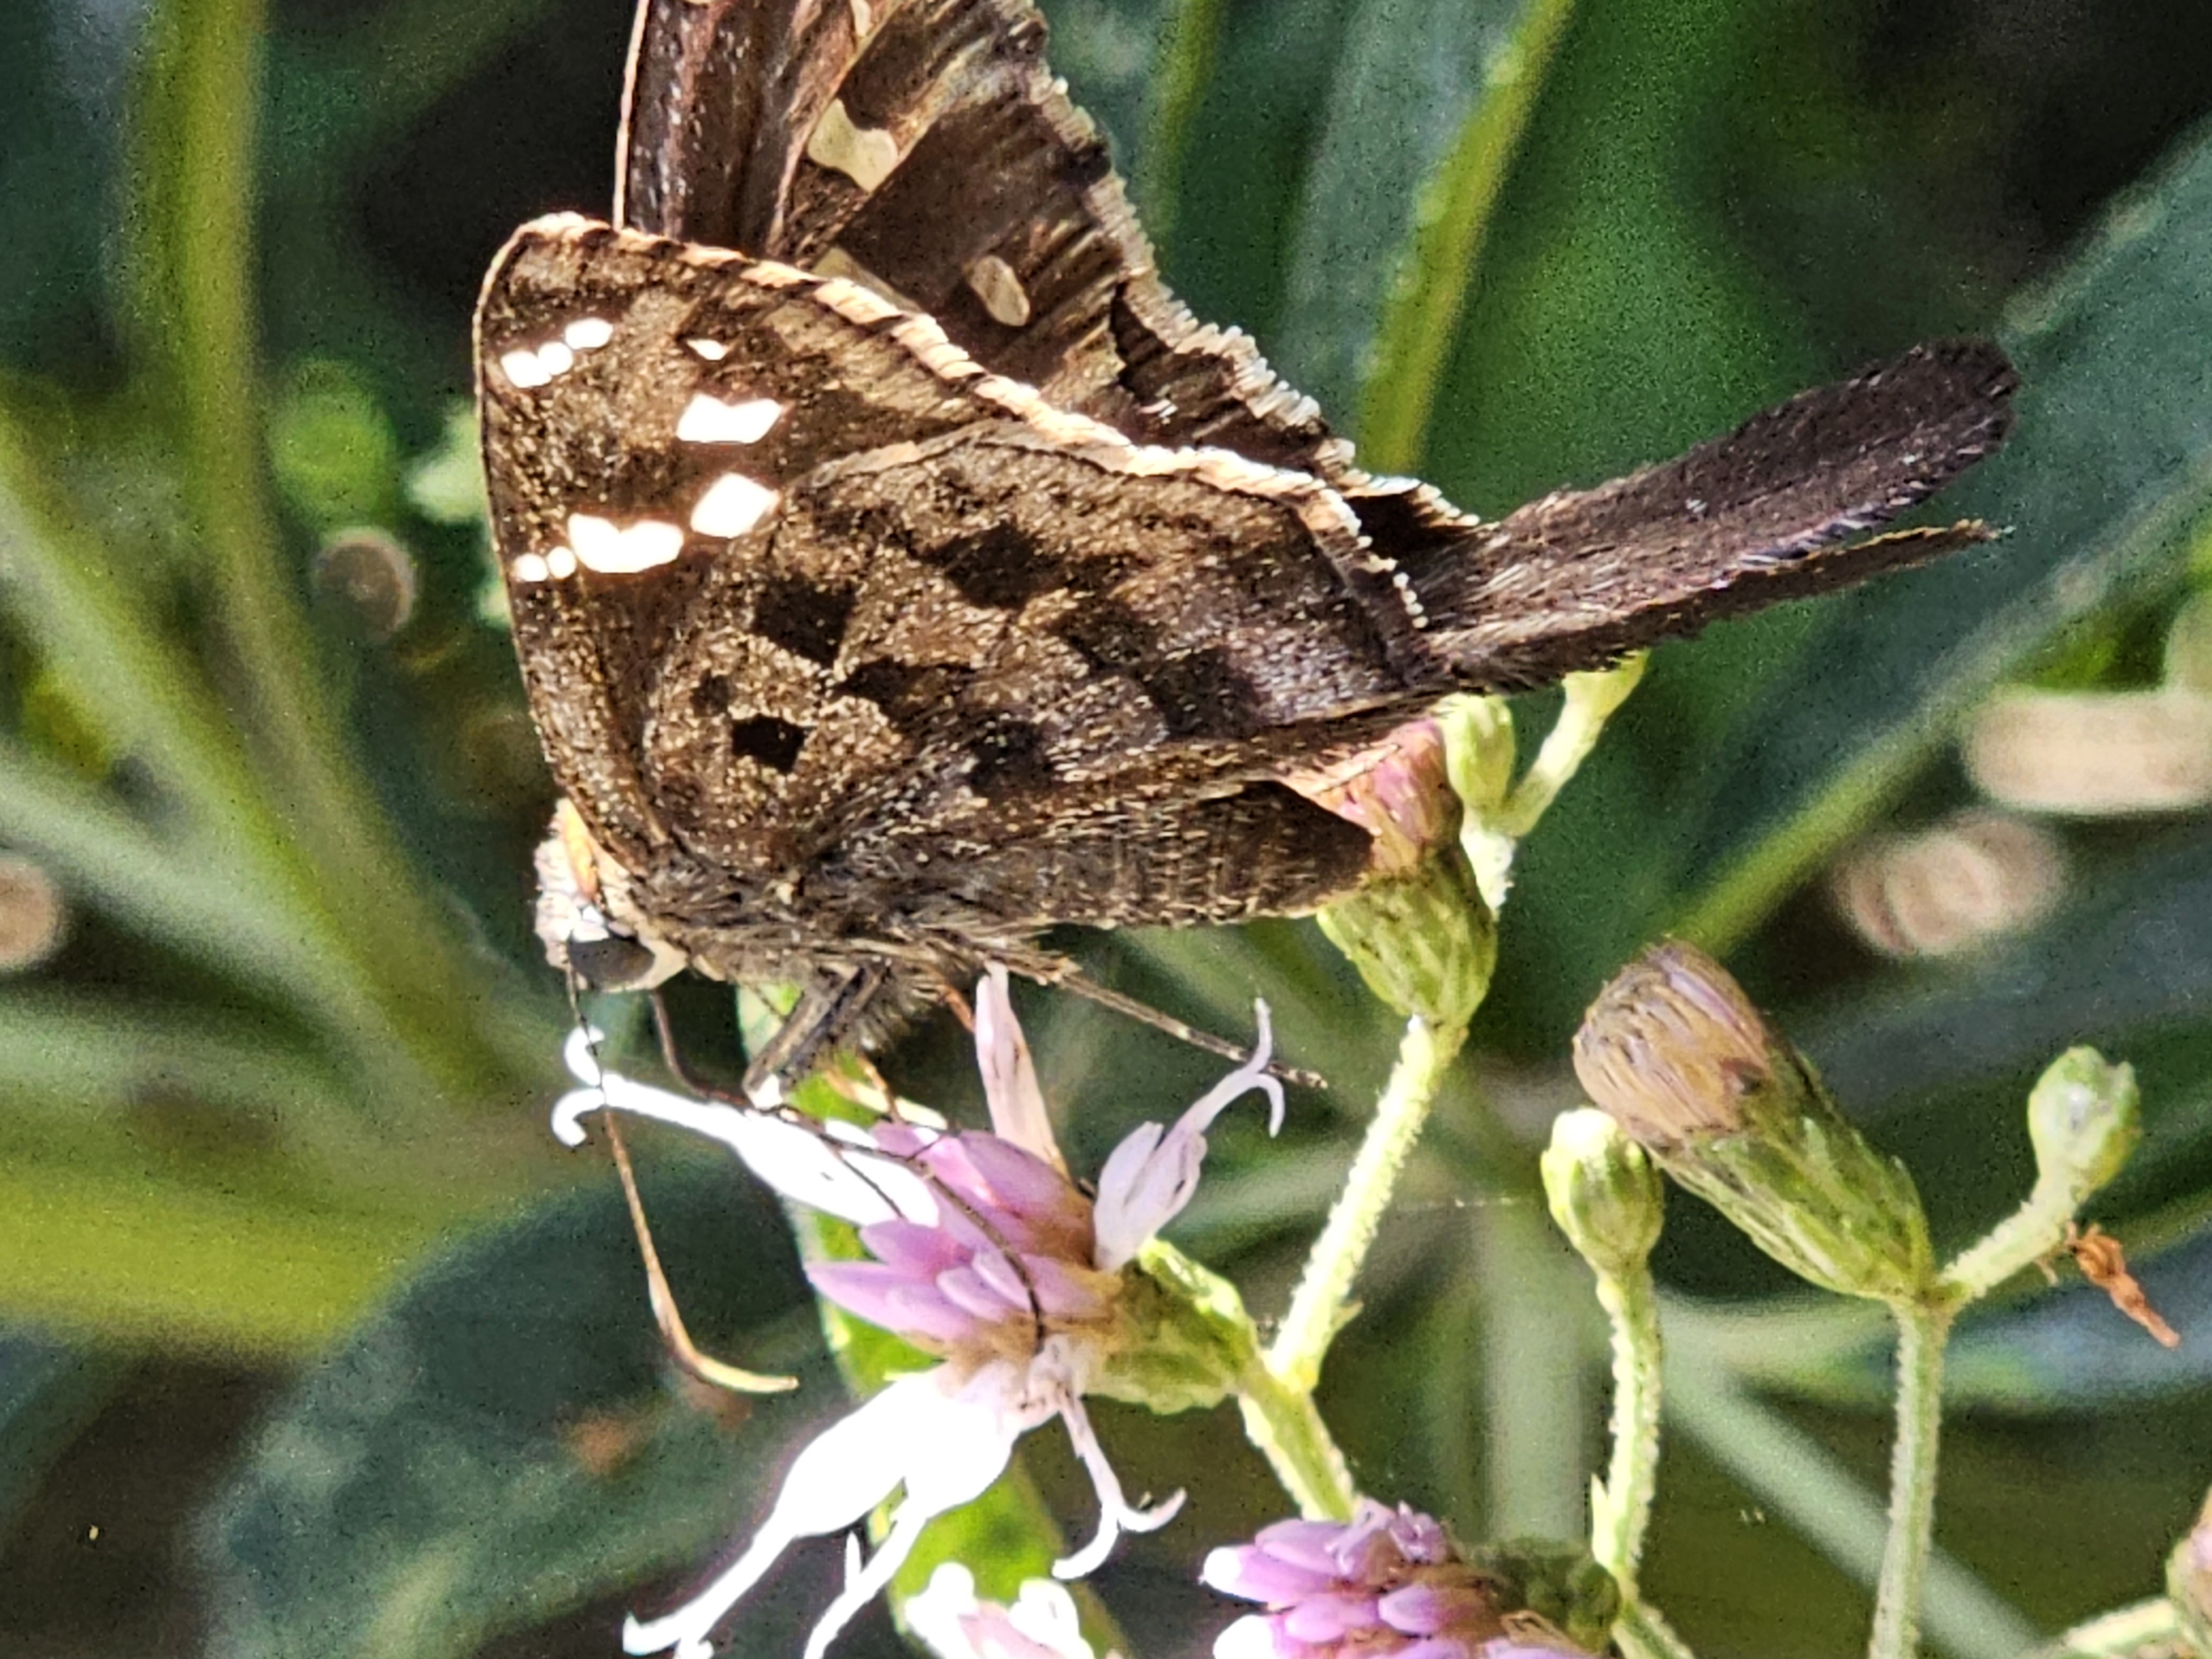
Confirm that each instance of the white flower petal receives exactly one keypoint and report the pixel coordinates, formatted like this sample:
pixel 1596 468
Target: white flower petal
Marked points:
pixel 1009 1079
pixel 1044 1612
pixel 844 1472
pixel 1252 1636
pixel 938 1614
pixel 955 1449
pixel 1150 1175
pixel 853 1183
pixel 944 1440
pixel 1041 1623
pixel 1116 1513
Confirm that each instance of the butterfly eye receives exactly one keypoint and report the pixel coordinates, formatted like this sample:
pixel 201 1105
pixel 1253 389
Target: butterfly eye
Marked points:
pixel 612 963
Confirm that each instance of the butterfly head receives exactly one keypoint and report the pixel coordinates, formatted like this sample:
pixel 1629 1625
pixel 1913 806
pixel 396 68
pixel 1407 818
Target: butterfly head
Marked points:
pixel 586 916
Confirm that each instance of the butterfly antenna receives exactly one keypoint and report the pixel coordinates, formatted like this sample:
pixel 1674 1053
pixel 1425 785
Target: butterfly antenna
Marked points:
pixel 705 1367
pixel 665 1314
pixel 1145 1014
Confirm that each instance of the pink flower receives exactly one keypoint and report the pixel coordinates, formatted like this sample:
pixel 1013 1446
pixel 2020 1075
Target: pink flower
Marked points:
pixel 1041 1624
pixel 1386 1585
pixel 985 1254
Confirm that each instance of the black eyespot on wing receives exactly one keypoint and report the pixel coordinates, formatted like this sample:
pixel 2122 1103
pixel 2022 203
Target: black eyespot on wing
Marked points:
pixel 774 744
pixel 910 694
pixel 1010 760
pixel 1201 695
pixel 1002 567
pixel 804 619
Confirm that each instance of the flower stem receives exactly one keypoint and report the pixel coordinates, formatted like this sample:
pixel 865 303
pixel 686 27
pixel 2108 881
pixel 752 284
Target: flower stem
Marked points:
pixel 1316 1311
pixel 1641 1633
pixel 1592 698
pixel 1922 1328
pixel 1286 1426
pixel 1622 1510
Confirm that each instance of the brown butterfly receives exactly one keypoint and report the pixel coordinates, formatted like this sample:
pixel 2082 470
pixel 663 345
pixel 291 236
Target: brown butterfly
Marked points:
pixel 898 570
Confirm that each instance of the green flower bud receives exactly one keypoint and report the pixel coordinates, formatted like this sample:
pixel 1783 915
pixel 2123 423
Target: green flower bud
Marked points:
pixel 1189 1338
pixel 1603 1192
pixel 1676 1053
pixel 1479 756
pixel 2084 1117
pixel 2189 1582
pixel 1560 1585
pixel 1478 739
pixel 1418 929
pixel 1425 942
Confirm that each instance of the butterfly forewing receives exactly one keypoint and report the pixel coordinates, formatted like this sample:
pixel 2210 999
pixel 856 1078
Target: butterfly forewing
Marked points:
pixel 837 593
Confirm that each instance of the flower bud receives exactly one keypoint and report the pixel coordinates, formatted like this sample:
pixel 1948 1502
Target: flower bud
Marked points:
pixel 1478 751
pixel 1676 1053
pixel 1418 929
pixel 1397 792
pixel 1603 1192
pixel 2189 1582
pixel 1478 757
pixel 2084 1117
pixel 1425 943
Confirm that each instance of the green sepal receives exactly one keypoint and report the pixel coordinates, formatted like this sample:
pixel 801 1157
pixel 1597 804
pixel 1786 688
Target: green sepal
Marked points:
pixel 1425 942
pixel 1190 1338
pixel 1561 1583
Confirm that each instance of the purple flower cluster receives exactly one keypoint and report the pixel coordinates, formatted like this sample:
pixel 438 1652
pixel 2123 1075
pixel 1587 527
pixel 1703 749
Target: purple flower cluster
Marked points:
pixel 1008 1260
pixel 1386 1585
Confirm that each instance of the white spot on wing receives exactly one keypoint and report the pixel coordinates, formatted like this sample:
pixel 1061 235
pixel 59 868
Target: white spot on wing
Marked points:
pixel 554 358
pixel 588 333
pixel 522 368
pixel 994 282
pixel 732 505
pixel 712 351
pixel 707 420
pixel 614 549
pixel 530 567
pixel 864 154
pixel 561 562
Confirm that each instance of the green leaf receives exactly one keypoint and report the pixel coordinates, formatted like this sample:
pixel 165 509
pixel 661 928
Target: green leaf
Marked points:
pixel 2111 461
pixel 1437 98
pixel 496 1446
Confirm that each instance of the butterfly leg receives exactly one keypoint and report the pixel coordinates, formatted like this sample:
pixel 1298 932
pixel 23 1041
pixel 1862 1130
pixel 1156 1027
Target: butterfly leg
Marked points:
pixel 831 1006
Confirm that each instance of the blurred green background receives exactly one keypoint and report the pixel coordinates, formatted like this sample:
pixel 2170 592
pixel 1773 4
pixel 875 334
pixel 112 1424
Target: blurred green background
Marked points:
pixel 311 1341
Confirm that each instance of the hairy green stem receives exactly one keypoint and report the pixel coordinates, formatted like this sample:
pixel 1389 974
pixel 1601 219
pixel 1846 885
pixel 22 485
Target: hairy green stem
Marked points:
pixel 1622 1512
pixel 1285 1423
pixel 1641 1633
pixel 1317 1310
pixel 1923 1328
